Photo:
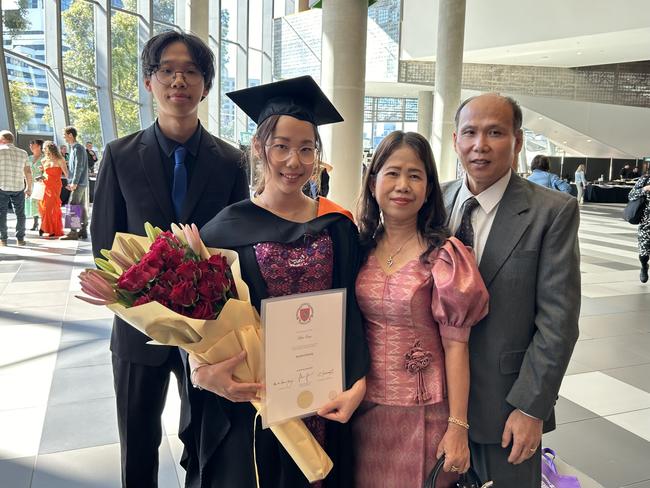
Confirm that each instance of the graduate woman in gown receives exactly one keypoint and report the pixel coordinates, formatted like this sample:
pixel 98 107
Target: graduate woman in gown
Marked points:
pixel 287 243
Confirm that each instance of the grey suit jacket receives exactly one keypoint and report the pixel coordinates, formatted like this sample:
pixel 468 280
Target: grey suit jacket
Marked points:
pixel 531 267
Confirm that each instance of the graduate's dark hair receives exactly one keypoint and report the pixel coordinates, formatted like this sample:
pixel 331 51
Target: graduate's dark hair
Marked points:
pixel 258 153
pixel 201 54
pixel 431 217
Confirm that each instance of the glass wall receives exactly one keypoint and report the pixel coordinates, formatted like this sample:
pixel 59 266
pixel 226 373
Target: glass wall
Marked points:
pixel 383 115
pixel 24 45
pixel 70 47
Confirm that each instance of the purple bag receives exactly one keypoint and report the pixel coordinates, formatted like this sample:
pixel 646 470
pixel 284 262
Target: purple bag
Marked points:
pixel 73 215
pixel 550 477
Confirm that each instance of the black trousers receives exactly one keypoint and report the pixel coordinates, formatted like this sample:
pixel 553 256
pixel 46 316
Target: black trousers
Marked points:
pixel 490 461
pixel 140 394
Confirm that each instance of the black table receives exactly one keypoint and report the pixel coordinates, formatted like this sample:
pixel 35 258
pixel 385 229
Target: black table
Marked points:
pixel 607 193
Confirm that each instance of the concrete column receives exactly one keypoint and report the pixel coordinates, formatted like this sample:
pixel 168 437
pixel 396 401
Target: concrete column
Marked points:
pixel 145 32
pixel 197 17
pixel 521 163
pixel 104 70
pixel 54 59
pixel 6 113
pixel 449 73
pixel 343 74
pixel 302 5
pixel 425 113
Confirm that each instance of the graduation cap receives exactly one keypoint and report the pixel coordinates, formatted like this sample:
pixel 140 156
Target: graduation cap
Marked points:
pixel 299 97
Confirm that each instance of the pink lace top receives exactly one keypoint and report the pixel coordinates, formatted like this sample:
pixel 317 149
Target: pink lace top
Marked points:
pixel 408 312
pixel 302 266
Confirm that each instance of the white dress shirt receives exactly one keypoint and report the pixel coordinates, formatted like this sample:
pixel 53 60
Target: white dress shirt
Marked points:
pixel 483 214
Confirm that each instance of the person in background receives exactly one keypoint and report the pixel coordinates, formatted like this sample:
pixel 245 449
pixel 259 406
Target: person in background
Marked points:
pixel 420 293
pixel 15 185
pixel 542 176
pixel 92 156
pixel 63 149
pixel 626 172
pixel 54 168
pixel 77 182
pixel 35 160
pixel 581 182
pixel 642 190
pixel 635 173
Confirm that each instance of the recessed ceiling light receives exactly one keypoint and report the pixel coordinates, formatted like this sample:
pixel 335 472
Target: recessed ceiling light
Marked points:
pixel 579 53
pixel 540 118
pixel 564 142
pixel 588 140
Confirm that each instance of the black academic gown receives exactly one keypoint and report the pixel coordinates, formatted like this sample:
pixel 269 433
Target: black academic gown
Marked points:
pixel 218 435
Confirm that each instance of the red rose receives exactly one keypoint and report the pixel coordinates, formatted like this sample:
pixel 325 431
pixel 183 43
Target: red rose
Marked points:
pixel 203 310
pixel 218 262
pixel 169 277
pixel 142 300
pixel 188 271
pixel 133 279
pixel 183 294
pixel 158 292
pixel 174 258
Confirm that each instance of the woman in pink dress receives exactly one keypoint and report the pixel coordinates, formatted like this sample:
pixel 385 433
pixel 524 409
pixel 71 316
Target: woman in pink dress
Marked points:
pixel 420 292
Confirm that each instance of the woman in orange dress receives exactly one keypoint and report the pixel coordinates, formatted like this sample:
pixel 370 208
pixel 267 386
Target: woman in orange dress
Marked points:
pixel 50 207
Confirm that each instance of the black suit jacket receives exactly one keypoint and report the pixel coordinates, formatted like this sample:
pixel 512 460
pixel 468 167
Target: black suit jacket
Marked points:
pixel 531 267
pixel 131 189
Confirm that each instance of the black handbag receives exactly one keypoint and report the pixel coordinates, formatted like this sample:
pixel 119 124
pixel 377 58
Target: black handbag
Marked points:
pixel 633 211
pixel 465 480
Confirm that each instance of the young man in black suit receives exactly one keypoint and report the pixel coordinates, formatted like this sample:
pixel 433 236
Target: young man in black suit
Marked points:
pixel 172 171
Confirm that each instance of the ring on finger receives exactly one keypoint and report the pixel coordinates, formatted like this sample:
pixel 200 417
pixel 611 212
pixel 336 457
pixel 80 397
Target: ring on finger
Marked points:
pixel 454 469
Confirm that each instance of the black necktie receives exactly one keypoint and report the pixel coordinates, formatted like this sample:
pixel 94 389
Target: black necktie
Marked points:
pixel 179 187
pixel 465 232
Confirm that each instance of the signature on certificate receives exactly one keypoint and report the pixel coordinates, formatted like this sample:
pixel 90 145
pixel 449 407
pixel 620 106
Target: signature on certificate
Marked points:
pixel 304 378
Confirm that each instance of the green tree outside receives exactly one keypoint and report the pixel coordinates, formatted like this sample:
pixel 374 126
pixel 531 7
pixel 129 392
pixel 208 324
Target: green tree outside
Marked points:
pixel 23 111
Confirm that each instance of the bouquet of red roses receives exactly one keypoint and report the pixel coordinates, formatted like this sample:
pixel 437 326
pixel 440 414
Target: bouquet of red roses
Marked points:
pixel 171 273
pixel 172 288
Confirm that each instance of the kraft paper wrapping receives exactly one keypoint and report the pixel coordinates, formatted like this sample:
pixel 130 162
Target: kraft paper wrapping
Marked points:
pixel 237 328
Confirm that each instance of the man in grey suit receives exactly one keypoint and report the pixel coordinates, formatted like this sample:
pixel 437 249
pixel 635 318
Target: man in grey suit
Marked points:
pixel 526 242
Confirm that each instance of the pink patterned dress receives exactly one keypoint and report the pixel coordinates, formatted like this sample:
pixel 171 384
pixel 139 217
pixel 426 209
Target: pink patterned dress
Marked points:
pixel 407 313
pixel 302 266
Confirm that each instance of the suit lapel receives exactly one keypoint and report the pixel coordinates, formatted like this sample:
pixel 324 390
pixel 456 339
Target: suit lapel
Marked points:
pixel 449 196
pixel 204 166
pixel 510 224
pixel 149 152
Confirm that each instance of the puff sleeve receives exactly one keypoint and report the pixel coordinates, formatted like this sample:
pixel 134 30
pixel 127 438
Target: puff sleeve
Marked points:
pixel 459 296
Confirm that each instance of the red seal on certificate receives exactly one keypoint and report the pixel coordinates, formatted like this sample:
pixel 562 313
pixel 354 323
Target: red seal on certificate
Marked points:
pixel 305 313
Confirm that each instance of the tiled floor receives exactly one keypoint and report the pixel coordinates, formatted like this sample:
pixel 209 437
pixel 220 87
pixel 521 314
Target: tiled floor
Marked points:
pixel 57 414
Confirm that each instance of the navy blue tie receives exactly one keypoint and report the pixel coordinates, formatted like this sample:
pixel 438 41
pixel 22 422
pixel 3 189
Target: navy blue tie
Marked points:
pixel 179 187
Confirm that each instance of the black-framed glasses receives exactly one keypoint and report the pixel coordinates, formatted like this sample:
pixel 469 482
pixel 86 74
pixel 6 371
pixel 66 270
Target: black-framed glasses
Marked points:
pixel 282 152
pixel 166 75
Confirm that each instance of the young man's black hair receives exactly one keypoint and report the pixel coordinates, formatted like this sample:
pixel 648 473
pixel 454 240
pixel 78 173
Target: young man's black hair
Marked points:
pixel 201 54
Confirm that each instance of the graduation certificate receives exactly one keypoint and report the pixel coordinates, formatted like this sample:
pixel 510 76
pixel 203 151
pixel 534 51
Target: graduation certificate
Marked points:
pixel 304 343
